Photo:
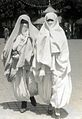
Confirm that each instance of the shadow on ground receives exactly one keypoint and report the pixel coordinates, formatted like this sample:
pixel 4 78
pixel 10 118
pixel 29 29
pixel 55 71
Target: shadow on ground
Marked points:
pixel 39 109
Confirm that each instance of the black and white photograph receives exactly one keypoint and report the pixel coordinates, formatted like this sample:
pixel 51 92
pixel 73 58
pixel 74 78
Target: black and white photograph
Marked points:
pixel 41 59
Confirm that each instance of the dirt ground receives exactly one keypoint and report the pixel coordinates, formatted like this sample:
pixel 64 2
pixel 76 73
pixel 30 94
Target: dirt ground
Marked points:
pixel 75 47
pixel 75 106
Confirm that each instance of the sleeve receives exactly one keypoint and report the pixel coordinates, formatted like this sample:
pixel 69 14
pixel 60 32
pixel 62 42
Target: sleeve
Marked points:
pixel 62 60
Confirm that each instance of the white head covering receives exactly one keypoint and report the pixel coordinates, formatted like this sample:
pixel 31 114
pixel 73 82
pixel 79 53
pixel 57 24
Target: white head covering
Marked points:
pixel 8 47
pixel 50 40
pixel 52 16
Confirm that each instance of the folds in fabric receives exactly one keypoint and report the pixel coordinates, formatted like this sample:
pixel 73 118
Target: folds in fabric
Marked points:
pixel 43 51
pixel 24 85
pixel 6 54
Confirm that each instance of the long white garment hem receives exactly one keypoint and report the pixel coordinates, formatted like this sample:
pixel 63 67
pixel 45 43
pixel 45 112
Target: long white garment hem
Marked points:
pixel 57 93
pixel 61 92
pixel 24 85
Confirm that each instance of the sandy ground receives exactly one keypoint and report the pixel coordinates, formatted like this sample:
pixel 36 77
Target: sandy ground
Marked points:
pixel 73 110
pixel 75 47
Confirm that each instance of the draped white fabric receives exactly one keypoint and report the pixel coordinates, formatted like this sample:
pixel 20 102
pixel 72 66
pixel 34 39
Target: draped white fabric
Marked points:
pixel 23 83
pixel 8 47
pixel 53 53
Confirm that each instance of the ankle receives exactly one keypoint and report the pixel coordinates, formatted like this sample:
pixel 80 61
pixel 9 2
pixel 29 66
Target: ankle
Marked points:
pixel 24 104
pixel 33 101
pixel 57 111
pixel 50 109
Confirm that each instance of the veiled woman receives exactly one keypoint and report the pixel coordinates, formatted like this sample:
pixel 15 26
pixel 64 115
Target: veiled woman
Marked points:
pixel 18 55
pixel 53 65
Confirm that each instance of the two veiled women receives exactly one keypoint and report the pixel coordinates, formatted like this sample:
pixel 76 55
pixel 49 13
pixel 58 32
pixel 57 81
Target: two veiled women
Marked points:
pixel 18 56
pixel 53 65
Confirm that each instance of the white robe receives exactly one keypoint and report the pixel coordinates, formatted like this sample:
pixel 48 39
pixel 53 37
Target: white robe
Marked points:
pixel 53 61
pixel 24 85
pixel 23 79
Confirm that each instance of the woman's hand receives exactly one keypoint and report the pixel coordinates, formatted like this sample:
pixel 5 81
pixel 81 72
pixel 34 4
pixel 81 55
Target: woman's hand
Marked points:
pixel 4 55
pixel 42 72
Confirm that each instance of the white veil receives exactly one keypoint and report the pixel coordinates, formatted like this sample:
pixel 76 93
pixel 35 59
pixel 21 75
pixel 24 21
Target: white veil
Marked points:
pixel 8 47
